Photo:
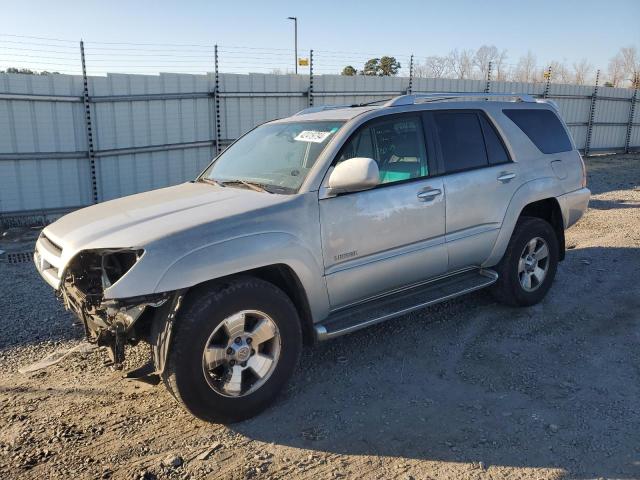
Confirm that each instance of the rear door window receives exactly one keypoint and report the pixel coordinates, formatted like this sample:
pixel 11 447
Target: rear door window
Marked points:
pixel 461 140
pixel 543 127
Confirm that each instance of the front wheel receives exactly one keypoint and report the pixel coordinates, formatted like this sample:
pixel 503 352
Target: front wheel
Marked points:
pixel 234 347
pixel 529 265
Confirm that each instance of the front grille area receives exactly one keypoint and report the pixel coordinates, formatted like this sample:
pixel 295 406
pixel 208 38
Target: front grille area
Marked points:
pixel 47 260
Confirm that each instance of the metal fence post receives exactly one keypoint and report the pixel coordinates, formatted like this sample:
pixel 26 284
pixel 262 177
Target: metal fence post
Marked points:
pixel 310 93
pixel 487 88
pixel 410 88
pixel 592 114
pixel 216 100
pixel 632 111
pixel 548 84
pixel 88 127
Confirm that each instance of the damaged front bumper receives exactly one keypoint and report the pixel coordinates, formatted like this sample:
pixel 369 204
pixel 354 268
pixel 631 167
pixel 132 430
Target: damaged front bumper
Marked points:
pixel 112 323
pixel 109 323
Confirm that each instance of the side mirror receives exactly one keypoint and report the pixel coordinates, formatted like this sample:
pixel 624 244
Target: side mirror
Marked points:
pixel 354 175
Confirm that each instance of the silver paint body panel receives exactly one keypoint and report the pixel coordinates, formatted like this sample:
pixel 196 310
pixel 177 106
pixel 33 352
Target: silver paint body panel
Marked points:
pixel 344 249
pixel 393 239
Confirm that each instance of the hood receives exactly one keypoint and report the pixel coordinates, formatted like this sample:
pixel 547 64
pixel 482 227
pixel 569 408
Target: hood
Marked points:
pixel 140 219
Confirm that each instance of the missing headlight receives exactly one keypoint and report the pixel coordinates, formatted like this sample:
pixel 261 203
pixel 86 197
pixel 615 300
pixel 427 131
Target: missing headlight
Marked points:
pixel 116 264
pixel 93 271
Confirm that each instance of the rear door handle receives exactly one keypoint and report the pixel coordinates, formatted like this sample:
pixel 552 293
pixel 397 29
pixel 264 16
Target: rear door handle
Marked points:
pixel 506 177
pixel 428 194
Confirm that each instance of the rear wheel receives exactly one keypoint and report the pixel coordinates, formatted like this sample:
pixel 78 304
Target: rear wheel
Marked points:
pixel 234 348
pixel 529 265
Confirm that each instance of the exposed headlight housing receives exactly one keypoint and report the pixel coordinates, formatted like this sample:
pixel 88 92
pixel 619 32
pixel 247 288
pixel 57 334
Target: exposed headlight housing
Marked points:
pixel 93 271
pixel 115 264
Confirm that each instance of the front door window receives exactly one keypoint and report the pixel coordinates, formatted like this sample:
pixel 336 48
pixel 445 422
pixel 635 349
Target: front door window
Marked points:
pixel 397 146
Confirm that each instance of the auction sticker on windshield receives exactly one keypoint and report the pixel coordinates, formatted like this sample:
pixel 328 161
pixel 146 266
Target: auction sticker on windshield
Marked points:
pixel 312 136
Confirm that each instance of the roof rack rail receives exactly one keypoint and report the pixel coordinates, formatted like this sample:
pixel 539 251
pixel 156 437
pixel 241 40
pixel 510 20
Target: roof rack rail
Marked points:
pixel 437 96
pixel 321 108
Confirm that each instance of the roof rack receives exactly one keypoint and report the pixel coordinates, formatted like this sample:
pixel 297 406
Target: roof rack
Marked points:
pixel 434 97
pixel 321 108
pixel 417 98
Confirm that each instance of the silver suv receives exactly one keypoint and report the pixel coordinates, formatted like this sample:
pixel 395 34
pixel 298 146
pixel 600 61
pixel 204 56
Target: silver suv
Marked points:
pixel 314 226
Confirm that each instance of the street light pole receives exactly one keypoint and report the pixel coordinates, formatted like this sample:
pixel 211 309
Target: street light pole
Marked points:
pixel 295 26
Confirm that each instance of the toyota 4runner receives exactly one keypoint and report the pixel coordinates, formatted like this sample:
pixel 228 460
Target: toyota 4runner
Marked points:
pixel 314 226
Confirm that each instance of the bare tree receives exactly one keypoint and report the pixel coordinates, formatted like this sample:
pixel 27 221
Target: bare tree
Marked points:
pixel 581 71
pixel 461 62
pixel 489 54
pixel 433 67
pixel 526 68
pixel 631 62
pixel 469 64
pixel 560 73
pixel 616 70
pixel 500 66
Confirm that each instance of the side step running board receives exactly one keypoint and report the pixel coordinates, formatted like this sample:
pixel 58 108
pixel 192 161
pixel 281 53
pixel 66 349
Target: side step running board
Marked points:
pixel 399 303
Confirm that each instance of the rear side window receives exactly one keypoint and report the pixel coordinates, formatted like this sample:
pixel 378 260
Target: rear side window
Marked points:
pixel 461 140
pixel 543 127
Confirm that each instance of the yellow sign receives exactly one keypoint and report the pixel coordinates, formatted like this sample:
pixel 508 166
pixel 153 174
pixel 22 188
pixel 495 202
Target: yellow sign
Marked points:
pixel 546 74
pixel 303 62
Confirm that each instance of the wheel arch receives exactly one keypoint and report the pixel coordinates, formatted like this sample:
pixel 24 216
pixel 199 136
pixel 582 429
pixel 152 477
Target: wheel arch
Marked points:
pixel 548 209
pixel 285 278
pixel 536 198
pixel 282 276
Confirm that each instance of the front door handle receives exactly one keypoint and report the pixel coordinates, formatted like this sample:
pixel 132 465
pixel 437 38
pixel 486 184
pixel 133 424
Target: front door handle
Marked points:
pixel 428 194
pixel 506 177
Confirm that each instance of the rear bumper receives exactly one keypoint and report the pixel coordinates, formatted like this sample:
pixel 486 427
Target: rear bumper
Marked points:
pixel 573 205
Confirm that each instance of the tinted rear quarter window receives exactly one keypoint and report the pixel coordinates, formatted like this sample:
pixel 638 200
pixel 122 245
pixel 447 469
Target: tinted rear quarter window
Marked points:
pixel 495 148
pixel 543 127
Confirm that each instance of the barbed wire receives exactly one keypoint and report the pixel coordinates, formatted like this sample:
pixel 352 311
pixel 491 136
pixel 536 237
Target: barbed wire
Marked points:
pixel 104 57
pixel 38 38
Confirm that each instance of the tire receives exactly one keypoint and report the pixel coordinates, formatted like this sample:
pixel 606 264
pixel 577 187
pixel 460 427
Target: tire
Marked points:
pixel 511 287
pixel 205 320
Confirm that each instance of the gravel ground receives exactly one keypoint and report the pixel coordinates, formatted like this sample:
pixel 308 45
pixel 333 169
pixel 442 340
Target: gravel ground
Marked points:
pixel 467 389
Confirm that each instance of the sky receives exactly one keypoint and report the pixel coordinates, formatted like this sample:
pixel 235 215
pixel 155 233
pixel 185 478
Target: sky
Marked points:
pixel 258 32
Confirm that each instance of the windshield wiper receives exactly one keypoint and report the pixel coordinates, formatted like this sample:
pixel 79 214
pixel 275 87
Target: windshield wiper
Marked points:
pixel 255 186
pixel 210 181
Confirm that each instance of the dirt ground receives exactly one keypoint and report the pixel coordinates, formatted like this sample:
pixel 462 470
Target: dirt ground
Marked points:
pixel 467 389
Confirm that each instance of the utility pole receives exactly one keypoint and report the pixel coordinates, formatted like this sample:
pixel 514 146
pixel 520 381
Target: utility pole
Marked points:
pixel 295 40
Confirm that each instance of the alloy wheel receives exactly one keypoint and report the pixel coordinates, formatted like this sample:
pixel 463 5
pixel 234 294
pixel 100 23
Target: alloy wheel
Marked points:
pixel 533 264
pixel 241 353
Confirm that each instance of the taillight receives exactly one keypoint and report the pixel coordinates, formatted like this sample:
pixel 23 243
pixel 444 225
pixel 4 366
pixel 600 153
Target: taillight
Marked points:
pixel 584 172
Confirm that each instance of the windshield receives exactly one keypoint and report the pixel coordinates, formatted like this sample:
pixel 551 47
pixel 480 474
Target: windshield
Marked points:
pixel 276 156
